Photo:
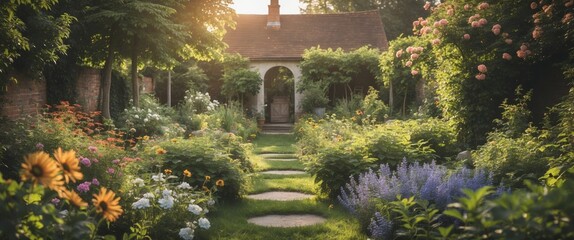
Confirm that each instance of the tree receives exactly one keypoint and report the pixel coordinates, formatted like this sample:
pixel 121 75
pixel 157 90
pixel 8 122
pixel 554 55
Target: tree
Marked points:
pixel 397 15
pixel 238 79
pixel 30 37
pixel 161 32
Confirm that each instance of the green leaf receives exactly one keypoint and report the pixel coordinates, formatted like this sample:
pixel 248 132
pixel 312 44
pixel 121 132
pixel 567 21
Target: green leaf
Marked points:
pixel 453 213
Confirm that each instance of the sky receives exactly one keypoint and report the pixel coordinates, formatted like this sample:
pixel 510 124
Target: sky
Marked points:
pixel 260 6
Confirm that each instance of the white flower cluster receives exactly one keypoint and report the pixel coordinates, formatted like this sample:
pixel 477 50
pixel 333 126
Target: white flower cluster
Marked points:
pixel 198 102
pixel 165 197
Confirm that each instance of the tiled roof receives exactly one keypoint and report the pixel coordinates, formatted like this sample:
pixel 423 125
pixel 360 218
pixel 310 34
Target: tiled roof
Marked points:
pixel 349 31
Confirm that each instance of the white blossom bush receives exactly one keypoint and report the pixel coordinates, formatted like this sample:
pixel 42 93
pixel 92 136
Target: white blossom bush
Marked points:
pixel 149 119
pixel 165 206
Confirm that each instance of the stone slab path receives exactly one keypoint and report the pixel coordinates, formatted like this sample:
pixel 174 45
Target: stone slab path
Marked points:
pixel 283 172
pixel 287 220
pixel 280 196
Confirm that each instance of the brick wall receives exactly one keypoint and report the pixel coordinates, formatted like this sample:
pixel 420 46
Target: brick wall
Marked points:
pixel 88 86
pixel 24 98
pixel 146 85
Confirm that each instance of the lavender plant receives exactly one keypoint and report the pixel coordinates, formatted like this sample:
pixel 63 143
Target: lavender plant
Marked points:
pixel 430 182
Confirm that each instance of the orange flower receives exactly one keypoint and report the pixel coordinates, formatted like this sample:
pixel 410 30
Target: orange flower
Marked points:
pixel 220 183
pixel 167 171
pixel 186 173
pixel 107 204
pixel 40 168
pixel 160 151
pixel 73 197
pixel 69 164
pixel 207 178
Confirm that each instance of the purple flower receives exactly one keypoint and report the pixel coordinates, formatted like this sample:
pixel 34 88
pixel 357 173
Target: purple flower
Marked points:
pixel 84 187
pixel 95 160
pixel 39 146
pixel 85 161
pixel 55 201
pixel 111 171
pixel 92 149
pixel 96 182
pixel 116 161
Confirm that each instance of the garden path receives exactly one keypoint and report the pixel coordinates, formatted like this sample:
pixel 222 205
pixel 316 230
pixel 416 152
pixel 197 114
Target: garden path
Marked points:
pixel 282 206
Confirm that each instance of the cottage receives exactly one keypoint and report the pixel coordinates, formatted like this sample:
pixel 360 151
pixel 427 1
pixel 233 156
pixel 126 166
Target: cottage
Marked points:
pixel 274 44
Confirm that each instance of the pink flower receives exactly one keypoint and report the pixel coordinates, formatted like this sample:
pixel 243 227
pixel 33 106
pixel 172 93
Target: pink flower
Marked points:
pixel 424 22
pixel 436 24
pixel 466 36
pixel 467 7
pixel 450 12
pixel 537 32
pixel 506 56
pixel 533 5
pixel 96 182
pixel 416 23
pixel 567 17
pixel 435 32
pixel 399 53
pixel 483 6
pixel 116 161
pixel 410 49
pixel 92 149
pixel 95 160
pixel 414 56
pixel 414 72
pixel 508 41
pixel 425 30
pixel 55 201
pixel 523 47
pixel 521 54
pixel 475 24
pixel 482 22
pixel 111 171
pixel 443 22
pixel 84 187
pixel 419 49
pixel 480 76
pixel 85 161
pixel 39 146
pixel 408 64
pixel 427 5
pixel 436 41
pixel 496 31
pixel 505 35
pixel 482 68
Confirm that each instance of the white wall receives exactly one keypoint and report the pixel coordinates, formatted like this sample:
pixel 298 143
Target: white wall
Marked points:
pixel 264 66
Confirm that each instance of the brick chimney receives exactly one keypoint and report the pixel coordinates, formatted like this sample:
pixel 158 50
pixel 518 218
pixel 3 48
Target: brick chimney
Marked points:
pixel 273 16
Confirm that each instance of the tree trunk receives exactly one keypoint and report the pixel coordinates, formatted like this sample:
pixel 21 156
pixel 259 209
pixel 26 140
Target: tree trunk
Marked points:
pixel 135 81
pixel 107 82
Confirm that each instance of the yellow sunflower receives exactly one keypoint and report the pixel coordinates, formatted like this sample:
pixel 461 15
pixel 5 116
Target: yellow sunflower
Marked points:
pixel 220 183
pixel 69 164
pixel 107 204
pixel 73 197
pixel 160 151
pixel 40 168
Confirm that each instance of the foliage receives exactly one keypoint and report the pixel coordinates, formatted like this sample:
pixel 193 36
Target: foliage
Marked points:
pixel 204 157
pixel 369 109
pixel 150 119
pixel 336 69
pixel 334 149
pixel 194 104
pixel 430 182
pixel 157 204
pixel 314 97
pixel 232 119
pixel 31 37
pixel 396 15
pixel 46 206
pixel 187 76
pixel 238 78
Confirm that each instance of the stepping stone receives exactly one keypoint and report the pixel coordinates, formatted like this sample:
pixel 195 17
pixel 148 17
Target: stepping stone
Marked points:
pixel 283 172
pixel 278 155
pixel 282 159
pixel 286 221
pixel 280 196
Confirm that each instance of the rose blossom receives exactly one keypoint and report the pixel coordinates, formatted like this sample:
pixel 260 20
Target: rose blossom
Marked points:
pixel 506 56
pixel 482 68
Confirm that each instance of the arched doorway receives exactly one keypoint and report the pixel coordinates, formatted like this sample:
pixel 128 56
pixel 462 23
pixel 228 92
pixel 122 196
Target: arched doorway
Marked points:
pixel 279 93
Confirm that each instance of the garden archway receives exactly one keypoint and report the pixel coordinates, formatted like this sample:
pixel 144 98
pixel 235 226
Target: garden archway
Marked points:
pixel 278 92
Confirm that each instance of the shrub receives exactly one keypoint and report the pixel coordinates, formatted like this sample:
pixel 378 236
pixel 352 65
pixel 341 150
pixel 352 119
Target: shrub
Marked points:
pixel 231 118
pixel 149 119
pixel 203 158
pixel 430 182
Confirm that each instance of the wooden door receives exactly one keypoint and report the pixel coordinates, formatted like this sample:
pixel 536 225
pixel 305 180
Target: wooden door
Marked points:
pixel 280 109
